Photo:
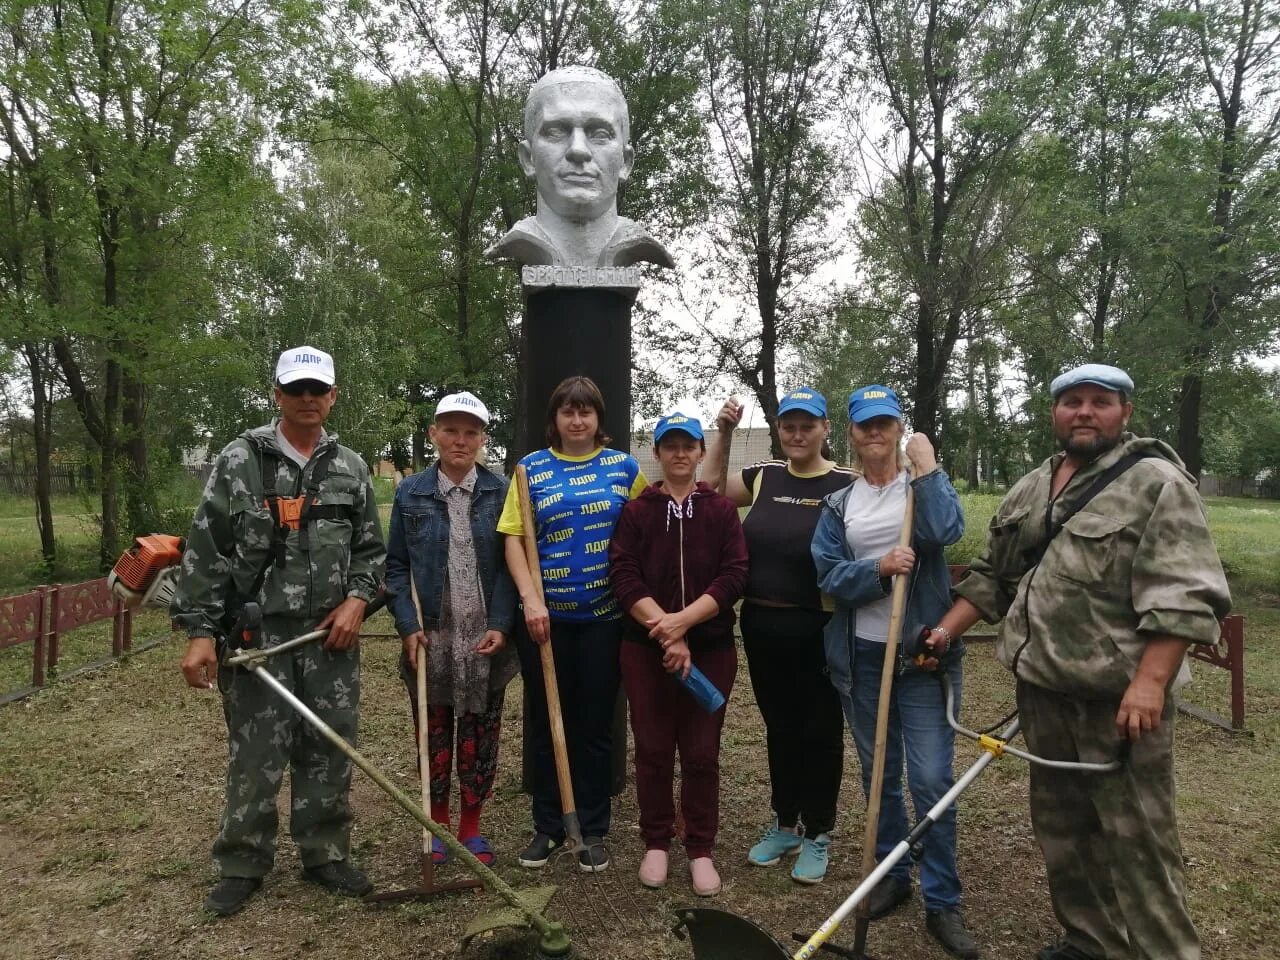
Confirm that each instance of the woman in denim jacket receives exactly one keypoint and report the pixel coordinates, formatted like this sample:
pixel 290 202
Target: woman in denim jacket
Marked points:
pixel 444 529
pixel 856 554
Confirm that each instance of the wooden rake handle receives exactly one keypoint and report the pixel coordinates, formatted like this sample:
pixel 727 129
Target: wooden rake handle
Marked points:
pixel 424 759
pixel 568 806
pixel 898 608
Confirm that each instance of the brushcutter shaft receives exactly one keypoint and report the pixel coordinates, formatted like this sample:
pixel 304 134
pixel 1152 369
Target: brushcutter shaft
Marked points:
pixel 553 936
pixel 244 657
pixel 824 932
pixel 254 656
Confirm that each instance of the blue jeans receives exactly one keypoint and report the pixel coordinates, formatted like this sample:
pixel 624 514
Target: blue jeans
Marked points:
pixel 917 727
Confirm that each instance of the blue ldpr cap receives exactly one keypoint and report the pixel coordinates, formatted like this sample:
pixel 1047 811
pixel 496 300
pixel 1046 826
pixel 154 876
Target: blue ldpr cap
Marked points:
pixel 1102 374
pixel 805 399
pixel 677 421
pixel 874 401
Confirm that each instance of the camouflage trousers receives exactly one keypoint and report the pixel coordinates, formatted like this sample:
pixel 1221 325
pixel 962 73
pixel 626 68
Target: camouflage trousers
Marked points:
pixel 1110 841
pixel 266 736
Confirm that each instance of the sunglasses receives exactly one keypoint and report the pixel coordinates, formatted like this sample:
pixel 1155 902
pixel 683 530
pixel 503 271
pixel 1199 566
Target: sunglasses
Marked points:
pixel 298 387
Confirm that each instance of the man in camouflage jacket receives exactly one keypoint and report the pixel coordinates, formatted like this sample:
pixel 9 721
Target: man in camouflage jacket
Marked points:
pixel 320 573
pixel 1096 634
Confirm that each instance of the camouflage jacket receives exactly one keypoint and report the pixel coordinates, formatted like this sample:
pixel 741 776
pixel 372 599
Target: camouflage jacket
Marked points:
pixel 232 534
pixel 1136 562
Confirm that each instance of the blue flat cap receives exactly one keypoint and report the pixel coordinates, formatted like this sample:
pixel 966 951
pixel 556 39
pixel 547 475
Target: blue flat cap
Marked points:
pixel 1104 375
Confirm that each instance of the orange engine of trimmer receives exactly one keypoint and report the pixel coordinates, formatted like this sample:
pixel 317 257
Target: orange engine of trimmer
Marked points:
pixel 146 573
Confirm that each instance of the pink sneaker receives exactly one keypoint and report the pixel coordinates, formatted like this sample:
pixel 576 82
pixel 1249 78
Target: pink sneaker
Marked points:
pixel 706 882
pixel 653 869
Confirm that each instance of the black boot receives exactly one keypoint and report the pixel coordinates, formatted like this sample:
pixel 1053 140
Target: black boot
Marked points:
pixel 947 927
pixel 338 876
pixel 230 894
pixel 886 896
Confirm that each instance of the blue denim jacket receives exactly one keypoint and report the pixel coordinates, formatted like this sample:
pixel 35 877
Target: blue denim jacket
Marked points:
pixel 851 581
pixel 420 528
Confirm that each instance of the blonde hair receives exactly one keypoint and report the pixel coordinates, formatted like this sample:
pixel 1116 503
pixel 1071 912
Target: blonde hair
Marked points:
pixel 900 457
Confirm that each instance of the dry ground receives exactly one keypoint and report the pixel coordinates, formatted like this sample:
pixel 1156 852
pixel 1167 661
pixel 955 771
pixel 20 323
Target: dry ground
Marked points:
pixel 110 787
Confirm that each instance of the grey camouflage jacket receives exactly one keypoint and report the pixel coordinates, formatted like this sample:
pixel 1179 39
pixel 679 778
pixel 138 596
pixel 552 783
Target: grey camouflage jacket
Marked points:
pixel 1136 562
pixel 232 533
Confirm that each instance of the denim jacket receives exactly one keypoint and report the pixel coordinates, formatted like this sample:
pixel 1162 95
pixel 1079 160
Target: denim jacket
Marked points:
pixel 851 581
pixel 420 528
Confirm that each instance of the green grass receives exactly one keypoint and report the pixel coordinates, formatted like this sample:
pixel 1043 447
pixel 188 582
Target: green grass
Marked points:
pixel 63 503
pixel 1246 531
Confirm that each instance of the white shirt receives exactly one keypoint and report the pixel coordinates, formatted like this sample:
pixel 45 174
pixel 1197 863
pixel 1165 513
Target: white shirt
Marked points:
pixel 872 524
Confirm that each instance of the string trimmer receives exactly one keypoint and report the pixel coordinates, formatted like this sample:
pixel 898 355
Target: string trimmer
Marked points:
pixel 722 935
pixel 145 575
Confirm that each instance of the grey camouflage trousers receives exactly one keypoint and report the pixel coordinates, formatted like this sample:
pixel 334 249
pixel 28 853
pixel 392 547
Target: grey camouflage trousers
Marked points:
pixel 1110 841
pixel 266 736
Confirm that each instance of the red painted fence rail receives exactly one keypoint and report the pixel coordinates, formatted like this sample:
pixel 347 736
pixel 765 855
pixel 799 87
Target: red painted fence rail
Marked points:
pixel 1227 653
pixel 43 615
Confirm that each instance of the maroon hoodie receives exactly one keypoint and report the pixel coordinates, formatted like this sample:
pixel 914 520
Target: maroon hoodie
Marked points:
pixel 675 553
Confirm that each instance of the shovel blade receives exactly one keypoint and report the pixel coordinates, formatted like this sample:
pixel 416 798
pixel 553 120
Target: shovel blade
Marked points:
pixel 536 899
pixel 721 935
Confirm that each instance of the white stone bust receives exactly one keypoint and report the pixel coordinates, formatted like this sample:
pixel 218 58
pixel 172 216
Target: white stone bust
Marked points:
pixel 577 149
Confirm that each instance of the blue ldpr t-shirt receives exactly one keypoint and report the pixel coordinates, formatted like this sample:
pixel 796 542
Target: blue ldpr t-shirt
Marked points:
pixel 576 503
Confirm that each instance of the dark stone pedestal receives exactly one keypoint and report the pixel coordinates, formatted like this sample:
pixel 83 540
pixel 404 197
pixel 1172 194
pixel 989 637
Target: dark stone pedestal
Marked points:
pixel 579 332
pixel 584 332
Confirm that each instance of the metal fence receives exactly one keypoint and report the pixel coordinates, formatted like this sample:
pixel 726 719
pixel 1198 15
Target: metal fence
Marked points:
pixel 41 616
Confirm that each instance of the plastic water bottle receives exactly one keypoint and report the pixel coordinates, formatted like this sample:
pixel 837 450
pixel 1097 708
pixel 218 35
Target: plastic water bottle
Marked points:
pixel 703 690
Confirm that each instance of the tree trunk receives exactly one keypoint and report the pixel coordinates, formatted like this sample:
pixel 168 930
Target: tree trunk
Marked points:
pixel 108 479
pixel 419 444
pixel 41 409
pixel 924 400
pixel 972 473
pixel 1191 396
pixel 138 493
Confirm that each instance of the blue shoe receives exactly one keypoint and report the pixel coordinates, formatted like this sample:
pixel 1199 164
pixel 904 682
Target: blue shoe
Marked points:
pixel 773 846
pixel 811 865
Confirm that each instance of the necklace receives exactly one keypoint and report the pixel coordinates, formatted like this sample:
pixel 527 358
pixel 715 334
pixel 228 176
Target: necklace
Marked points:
pixel 878 488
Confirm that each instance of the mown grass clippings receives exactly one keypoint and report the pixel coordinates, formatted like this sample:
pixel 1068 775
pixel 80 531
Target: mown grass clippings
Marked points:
pixel 111 785
pixel 163 751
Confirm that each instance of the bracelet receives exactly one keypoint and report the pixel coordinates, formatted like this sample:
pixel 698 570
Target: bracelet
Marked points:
pixel 945 632
pixel 878 577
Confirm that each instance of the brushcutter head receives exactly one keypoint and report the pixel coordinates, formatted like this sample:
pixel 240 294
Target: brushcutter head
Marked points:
pixel 717 934
pixel 146 575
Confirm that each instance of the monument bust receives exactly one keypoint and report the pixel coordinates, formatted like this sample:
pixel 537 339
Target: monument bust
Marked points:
pixel 577 149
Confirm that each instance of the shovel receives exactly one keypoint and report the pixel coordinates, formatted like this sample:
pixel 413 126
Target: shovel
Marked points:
pixel 569 807
pixel 606 889
pixel 719 935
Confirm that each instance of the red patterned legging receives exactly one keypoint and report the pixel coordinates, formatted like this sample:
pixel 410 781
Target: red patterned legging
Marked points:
pixel 475 736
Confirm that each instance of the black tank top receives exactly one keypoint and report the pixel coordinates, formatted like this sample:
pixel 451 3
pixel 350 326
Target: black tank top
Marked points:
pixel 779 528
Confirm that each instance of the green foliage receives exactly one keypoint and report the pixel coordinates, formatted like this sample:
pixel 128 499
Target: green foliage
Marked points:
pixel 958 199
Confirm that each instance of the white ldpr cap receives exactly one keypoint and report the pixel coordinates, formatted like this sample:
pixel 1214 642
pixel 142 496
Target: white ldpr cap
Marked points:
pixel 464 402
pixel 305 363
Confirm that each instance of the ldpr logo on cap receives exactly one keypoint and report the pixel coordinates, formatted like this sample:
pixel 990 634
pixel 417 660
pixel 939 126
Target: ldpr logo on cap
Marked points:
pixel 304 363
